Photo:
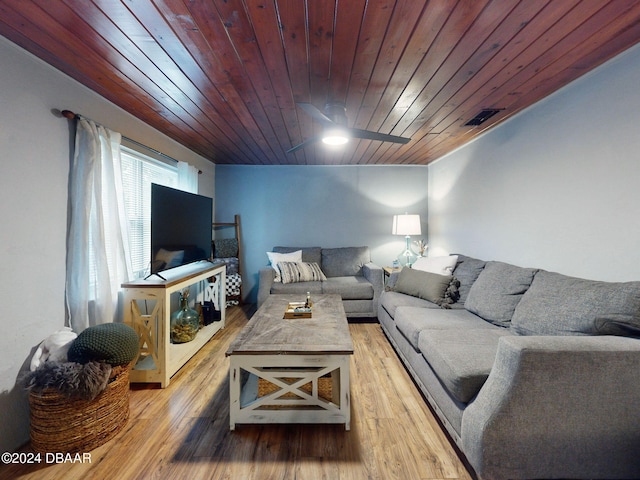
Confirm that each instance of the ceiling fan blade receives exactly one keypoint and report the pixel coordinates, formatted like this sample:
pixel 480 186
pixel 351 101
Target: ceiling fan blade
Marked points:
pixel 340 122
pixel 381 137
pixel 315 113
pixel 308 141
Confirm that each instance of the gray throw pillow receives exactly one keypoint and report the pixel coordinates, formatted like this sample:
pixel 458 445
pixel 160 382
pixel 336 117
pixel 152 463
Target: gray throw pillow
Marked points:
pixel 438 289
pixel 497 291
pixel 467 271
pixel 560 305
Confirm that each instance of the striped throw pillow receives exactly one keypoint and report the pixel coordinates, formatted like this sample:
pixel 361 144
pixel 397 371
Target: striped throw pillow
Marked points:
pixel 292 272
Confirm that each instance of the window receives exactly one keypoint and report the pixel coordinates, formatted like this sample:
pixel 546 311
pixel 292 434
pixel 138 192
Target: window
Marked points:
pixel 139 171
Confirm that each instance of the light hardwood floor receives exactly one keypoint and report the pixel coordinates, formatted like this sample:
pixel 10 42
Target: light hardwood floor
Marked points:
pixel 182 432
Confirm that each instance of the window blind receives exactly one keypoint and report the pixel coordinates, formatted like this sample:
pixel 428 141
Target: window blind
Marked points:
pixel 139 171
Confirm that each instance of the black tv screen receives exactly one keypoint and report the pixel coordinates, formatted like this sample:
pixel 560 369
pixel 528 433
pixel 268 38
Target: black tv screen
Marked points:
pixel 180 228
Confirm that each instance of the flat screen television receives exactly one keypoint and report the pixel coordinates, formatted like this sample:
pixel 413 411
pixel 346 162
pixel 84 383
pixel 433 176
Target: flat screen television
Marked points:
pixel 180 228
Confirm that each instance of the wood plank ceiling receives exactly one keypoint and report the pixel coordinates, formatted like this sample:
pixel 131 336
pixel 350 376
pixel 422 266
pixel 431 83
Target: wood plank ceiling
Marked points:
pixel 222 77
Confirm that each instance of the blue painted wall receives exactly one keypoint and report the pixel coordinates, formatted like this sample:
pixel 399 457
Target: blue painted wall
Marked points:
pixel 327 206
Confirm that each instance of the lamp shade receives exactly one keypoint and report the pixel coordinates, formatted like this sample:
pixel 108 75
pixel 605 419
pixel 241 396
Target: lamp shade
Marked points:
pixel 406 225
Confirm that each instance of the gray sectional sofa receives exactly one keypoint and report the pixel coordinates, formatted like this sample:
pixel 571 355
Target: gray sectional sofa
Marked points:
pixel 534 374
pixel 348 270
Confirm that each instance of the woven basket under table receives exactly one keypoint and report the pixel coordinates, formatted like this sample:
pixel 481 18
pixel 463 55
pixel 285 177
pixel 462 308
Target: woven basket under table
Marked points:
pixel 69 425
pixel 324 388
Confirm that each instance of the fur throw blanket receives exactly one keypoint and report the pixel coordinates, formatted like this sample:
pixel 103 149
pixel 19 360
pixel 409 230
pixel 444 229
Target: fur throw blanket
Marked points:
pixel 72 379
pixel 54 348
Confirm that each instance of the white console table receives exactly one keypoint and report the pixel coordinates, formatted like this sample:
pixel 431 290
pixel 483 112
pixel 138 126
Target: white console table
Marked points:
pixel 160 359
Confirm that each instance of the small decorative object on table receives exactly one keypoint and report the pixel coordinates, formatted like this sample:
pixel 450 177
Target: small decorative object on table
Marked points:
pixel 308 303
pixel 299 309
pixel 185 322
pixel 422 247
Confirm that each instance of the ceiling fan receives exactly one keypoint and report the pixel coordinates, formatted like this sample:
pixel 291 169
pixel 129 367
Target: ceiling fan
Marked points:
pixel 336 132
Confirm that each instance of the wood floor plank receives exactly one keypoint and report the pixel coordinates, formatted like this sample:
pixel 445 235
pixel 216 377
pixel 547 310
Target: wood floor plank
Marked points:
pixel 183 431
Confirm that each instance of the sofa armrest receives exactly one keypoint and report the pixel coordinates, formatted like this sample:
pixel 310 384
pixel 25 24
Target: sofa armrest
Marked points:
pixel 265 281
pixel 374 274
pixel 565 406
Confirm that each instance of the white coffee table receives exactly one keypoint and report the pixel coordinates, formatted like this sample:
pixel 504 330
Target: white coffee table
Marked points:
pixel 292 370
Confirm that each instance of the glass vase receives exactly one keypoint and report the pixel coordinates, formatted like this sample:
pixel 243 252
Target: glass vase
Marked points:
pixel 185 322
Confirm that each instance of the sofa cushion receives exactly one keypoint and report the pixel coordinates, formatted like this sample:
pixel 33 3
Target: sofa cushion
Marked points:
pixel 276 257
pixel 462 359
pixel 309 254
pixel 439 289
pixel 358 308
pixel 621 328
pixel 344 261
pixel 350 288
pixel 390 301
pixel 412 320
pixel 497 291
pixel 439 265
pixel 466 272
pixel 560 305
pixel 297 288
pixel 292 272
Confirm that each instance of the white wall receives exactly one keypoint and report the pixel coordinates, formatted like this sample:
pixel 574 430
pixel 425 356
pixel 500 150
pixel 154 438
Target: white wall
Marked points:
pixel 34 157
pixel 556 187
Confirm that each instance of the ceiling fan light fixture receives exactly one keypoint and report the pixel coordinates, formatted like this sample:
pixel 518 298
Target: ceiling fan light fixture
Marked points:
pixel 336 132
pixel 335 136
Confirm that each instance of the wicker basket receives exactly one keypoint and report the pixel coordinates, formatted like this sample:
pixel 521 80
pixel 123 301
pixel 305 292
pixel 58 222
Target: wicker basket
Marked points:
pixel 69 425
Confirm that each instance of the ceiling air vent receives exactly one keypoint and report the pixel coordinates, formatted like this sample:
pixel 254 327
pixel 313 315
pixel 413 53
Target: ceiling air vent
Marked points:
pixel 483 116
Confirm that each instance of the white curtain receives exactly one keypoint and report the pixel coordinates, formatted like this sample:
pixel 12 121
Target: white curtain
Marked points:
pixel 98 260
pixel 187 177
